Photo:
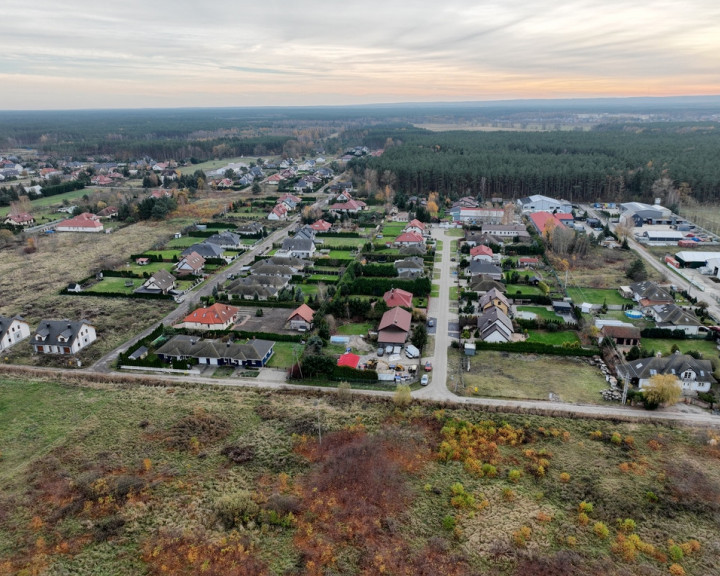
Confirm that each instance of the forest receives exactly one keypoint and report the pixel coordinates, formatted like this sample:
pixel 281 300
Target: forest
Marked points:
pixel 609 162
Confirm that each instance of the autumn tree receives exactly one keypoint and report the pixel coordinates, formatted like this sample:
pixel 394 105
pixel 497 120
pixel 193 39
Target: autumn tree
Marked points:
pixel 662 389
pixel 624 228
pixel 20 206
pixel 432 204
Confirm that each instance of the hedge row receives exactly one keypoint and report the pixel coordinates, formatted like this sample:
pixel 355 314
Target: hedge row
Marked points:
pixel 151 257
pixel 378 286
pixel 142 296
pixel 534 298
pixel 534 348
pixel 62 188
pixel 663 333
pixel 338 235
pixel 245 334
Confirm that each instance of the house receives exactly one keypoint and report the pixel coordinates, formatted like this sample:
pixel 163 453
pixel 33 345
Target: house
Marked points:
pixel 299 247
pixel 672 317
pixel 349 207
pixel 108 212
pixel 321 226
pixel 496 298
pixel 401 217
pixel 544 222
pixel 301 319
pixel 161 282
pixel 224 183
pixel 267 268
pixel 289 200
pixel 648 293
pixel 495 326
pixel 478 267
pixel 349 359
pixel 205 250
pixel 411 267
pixel 296 264
pixel 252 353
pixel 142 261
pixel 139 354
pixel 250 229
pixel 101 180
pixel 63 336
pixel 306 232
pixel 398 297
pixel 528 262
pixel 394 326
pixel 301 185
pixel 279 212
pixel 693 375
pixel 415 226
pixel 21 219
pixel 409 239
pixel 84 222
pixel 193 263
pixel 484 283
pixel 540 203
pixel 215 317
pixel 275 179
pixel 249 289
pixel 621 335
pixel 12 331
pixel 475 215
pixel 225 239
pixel 483 253
pixel 414 250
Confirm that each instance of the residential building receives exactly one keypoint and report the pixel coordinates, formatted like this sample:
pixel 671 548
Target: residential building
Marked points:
pixel 478 267
pixel 63 336
pixel 394 326
pixel 226 240
pixel 84 222
pixel 301 319
pixel 672 317
pixel 473 215
pixel 215 317
pixel 482 283
pixel 193 263
pixel 12 331
pixel 496 298
pixel 409 239
pixel 694 375
pixel 415 226
pixel 161 282
pixel 206 250
pixel 398 297
pixel 321 226
pixel 648 294
pixel 482 252
pixel 506 231
pixel 545 222
pixel 298 247
pixel 495 326
pixel 252 353
pixel 411 267
pixel 22 219
pixel 621 335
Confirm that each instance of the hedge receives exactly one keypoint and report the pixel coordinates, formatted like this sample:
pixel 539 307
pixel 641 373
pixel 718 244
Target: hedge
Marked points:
pixel 533 298
pixel 245 334
pixel 347 373
pixel 337 235
pixel 378 286
pixel 663 333
pixel 151 257
pixel 140 295
pixel 62 188
pixel 534 348
pixel 236 300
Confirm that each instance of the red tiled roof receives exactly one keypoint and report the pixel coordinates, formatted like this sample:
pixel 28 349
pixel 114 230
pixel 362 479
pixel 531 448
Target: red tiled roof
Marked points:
pixel 21 218
pixel 410 237
pixel 321 226
pixel 416 223
pixel 349 359
pixel 481 251
pixel 544 221
pixel 564 216
pixel 218 314
pixel 528 260
pixel 84 220
pixel 398 297
pixel 305 312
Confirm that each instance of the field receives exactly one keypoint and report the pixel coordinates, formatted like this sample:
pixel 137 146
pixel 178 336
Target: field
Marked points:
pixel 552 338
pixel 355 329
pixel 707 348
pixel 62 258
pixel 597 296
pixel 189 481
pixel 329 242
pixel 603 268
pixel 45 206
pixel 505 375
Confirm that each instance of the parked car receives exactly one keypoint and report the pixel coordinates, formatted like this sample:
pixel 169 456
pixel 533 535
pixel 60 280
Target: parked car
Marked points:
pixel 388 349
pixel 380 351
pixel 431 322
pixel 453 259
pixel 428 366
pixel 425 380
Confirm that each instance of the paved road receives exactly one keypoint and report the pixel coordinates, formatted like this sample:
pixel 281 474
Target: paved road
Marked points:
pixel 712 291
pixel 439 308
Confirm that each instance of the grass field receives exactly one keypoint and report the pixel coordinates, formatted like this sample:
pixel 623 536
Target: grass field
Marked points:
pixel 513 289
pixel 113 284
pixel 328 242
pixel 505 375
pixel 357 329
pixel 91 490
pixel 707 348
pixel 553 338
pixel 284 354
pixel 540 311
pixel 596 296
pixel 43 205
pixel 455 232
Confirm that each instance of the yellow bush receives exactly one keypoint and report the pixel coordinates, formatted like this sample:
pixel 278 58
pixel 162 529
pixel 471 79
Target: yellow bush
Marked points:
pixel 564 477
pixel 677 570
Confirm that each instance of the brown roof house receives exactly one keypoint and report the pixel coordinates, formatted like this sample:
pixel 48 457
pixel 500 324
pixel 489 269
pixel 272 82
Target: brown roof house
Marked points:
pixel 494 298
pixel 394 326
pixel 161 282
pixel 622 335
pixel 193 263
pixel 301 318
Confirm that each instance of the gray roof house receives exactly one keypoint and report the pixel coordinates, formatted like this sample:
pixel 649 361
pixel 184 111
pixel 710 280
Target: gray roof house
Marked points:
pixel 694 375
pixel 63 336
pixel 649 294
pixel 299 247
pixel 249 289
pixel 411 267
pixel 495 326
pixel 205 250
pixel 478 267
pixel 254 353
pixel 161 282
pixel 12 331
pixel 225 239
pixel 672 317
pixel 265 268
pixel 249 229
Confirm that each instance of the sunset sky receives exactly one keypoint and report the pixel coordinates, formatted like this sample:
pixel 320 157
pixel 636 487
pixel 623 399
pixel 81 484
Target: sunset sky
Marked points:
pixel 159 53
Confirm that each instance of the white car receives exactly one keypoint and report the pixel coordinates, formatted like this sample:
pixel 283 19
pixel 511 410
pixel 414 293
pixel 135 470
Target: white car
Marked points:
pixel 425 380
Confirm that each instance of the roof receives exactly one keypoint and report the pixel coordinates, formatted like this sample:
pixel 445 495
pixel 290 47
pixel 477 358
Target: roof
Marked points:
pixel 58 332
pixel 191 346
pixel 205 250
pixel 321 226
pixel 675 364
pixel 194 260
pixel 483 283
pixel 162 279
pixel 410 237
pixel 350 205
pixel 415 223
pixel 696 256
pixel 544 220
pixel 626 332
pixel 398 297
pixel 650 291
pixel 304 312
pixel 491 295
pixel 396 318
pixel 349 359
pixel 673 314
pixel 528 260
pixel 224 238
pixel 218 314
pixel 298 244
pixel 84 220
pixel 6 321
pixel 479 267
pixel 412 262
pixel 481 251
pixel 263 267
pixel 494 319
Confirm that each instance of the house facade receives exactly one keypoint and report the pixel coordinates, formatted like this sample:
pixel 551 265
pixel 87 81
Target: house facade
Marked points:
pixel 394 327
pixel 252 353
pixel 63 337
pixel 694 375
pixel 12 331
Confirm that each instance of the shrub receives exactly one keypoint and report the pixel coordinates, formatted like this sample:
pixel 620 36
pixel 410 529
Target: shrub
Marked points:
pixel 571 541
pixel 489 470
pixel 586 507
pixel 601 531
pixel 676 570
pixel 564 477
pixel 514 475
pixel 583 519
pixel 344 393
pixel 626 526
pixel 448 523
pixel 461 499
pixel 675 552
pixel 616 439
pixel 402 396
pixel 508 494
pixel 521 536
pixel 236 509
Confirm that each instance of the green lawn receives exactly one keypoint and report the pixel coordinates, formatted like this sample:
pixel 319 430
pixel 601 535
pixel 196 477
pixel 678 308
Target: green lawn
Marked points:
pixel 46 203
pixel 540 311
pixel 112 284
pixel 513 289
pixel 284 354
pixel 329 242
pixel 342 255
pixel 149 268
pixel 330 278
pixel 453 293
pixel 596 296
pixel 420 302
pixel 183 242
pixel 164 254
pixel 455 232
pixel 358 329
pixel 435 292
pixel 707 348
pixel 453 245
pixel 438 246
pixel 553 338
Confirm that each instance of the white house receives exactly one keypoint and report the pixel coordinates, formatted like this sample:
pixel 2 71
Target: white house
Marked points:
pixel 63 336
pixel 12 331
pixel 694 375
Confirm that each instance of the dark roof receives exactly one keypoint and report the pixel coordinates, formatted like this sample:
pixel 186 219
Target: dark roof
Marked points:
pixel 490 295
pixel 675 364
pixel 673 314
pixel 5 322
pixel 621 331
pixel 298 244
pixel 224 239
pixel 205 250
pixel 483 283
pixel 58 332
pixel 480 267
pixel 650 291
pixel 488 320
pixel 192 347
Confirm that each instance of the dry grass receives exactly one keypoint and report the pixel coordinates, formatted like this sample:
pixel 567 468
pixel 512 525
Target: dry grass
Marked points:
pixel 602 268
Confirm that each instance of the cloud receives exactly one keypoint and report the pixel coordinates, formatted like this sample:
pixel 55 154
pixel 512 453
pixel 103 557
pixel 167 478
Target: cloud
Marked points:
pixel 274 52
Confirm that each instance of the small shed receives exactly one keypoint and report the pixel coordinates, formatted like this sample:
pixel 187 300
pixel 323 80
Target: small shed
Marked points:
pixel 586 307
pixel 563 308
pixel 470 348
pixel 139 354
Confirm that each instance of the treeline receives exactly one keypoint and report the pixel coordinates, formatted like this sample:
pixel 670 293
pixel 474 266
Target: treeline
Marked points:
pixel 612 162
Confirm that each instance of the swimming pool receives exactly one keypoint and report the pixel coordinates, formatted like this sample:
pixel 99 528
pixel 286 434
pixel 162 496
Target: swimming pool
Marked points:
pixel 633 314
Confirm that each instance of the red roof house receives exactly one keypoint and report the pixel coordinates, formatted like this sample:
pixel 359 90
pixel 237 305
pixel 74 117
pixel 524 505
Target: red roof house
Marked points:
pixel 349 359
pixel 394 326
pixel 545 222
pixel 22 219
pixel 84 222
pixel 481 252
pixel 398 297
pixel 415 226
pixel 301 318
pixel 409 239
pixel 215 317
pixel 321 226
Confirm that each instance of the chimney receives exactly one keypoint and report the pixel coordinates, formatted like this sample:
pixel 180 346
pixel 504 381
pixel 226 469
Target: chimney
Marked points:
pixel 658 355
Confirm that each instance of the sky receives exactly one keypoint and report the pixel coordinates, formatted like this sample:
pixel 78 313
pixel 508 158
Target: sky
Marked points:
pixel 60 54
